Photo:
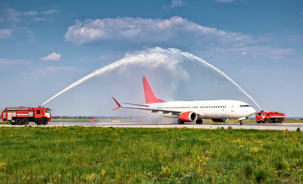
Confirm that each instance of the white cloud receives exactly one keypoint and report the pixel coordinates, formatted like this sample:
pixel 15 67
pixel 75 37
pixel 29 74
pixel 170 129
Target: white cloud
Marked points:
pixel 52 57
pixel 225 1
pixel 175 31
pixel 5 63
pixel 4 33
pixel 30 13
pixel 18 16
pixel 149 30
pixel 39 19
pixel 13 15
pixel 50 11
pixel 175 3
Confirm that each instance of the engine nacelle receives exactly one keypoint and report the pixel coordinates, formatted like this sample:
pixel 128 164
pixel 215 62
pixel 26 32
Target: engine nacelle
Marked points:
pixel 188 116
pixel 219 120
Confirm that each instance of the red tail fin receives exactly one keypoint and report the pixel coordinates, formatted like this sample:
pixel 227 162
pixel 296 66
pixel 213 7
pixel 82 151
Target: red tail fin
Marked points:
pixel 150 96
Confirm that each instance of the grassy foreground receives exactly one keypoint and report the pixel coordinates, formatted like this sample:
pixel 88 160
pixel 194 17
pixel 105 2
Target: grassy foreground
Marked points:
pixel 144 120
pixel 168 155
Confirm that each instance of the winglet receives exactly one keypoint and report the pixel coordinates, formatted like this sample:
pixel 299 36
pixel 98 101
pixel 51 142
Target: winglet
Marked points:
pixel 117 104
pixel 150 96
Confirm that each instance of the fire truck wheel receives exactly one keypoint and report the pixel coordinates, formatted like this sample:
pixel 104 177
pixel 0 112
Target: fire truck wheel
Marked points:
pixel 259 121
pixel 25 121
pixel 39 121
pixel 18 121
pixel 265 121
pixel 12 123
pixel 44 121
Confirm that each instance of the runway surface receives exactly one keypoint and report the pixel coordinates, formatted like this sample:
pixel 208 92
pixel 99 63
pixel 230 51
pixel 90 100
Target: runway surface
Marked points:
pixel 276 126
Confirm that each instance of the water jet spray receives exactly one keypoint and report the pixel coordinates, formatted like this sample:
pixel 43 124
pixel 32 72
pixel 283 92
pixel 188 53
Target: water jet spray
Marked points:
pixel 153 57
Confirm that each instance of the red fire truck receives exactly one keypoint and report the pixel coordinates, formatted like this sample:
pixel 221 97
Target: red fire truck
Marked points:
pixel 270 117
pixel 23 115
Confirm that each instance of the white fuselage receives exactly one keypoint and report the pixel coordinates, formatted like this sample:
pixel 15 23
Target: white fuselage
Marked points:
pixel 209 109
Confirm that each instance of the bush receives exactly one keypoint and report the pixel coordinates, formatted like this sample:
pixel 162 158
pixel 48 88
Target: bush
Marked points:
pixel 248 170
pixel 222 127
pixel 260 176
pixel 298 129
pixel 279 165
pixel 230 127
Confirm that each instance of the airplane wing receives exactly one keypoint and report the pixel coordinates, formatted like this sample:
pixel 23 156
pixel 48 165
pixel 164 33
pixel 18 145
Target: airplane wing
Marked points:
pixel 149 109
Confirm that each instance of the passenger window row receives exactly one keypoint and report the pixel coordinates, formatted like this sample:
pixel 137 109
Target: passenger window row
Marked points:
pixel 202 107
pixel 213 107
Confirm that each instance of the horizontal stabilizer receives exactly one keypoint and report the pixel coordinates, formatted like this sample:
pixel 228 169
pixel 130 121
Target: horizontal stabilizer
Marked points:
pixel 143 105
pixel 117 104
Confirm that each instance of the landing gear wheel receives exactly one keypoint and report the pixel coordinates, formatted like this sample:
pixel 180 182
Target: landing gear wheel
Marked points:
pixel 25 121
pixel 180 122
pixel 199 121
pixel 18 121
pixel 240 123
pixel 44 121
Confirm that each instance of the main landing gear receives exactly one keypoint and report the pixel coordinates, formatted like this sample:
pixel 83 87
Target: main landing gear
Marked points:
pixel 199 121
pixel 180 122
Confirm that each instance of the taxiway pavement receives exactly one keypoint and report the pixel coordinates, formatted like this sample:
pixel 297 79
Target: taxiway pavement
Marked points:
pixel 276 126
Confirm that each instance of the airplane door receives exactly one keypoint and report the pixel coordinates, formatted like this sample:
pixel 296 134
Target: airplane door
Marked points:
pixel 232 108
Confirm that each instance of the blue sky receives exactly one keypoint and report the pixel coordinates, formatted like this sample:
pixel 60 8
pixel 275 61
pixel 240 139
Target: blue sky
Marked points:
pixel 47 45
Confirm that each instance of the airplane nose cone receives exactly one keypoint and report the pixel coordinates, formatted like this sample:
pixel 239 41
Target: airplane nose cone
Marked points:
pixel 253 111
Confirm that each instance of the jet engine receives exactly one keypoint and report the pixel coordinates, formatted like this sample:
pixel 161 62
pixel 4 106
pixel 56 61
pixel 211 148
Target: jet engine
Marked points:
pixel 188 116
pixel 219 120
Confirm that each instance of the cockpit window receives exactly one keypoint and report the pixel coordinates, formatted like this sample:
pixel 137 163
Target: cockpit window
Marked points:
pixel 244 106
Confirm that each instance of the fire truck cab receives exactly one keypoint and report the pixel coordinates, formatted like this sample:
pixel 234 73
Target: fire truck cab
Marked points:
pixel 23 115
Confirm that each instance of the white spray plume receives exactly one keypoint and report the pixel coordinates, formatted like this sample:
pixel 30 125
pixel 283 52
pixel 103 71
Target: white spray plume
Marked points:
pixel 153 58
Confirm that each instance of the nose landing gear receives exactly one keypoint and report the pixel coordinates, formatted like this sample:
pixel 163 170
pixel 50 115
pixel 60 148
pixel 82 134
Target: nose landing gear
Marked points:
pixel 240 122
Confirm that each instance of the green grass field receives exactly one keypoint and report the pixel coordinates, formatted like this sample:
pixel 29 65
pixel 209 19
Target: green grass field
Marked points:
pixel 131 120
pixel 141 155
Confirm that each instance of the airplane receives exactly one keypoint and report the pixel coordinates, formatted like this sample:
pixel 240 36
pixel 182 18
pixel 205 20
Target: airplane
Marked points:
pixel 192 111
